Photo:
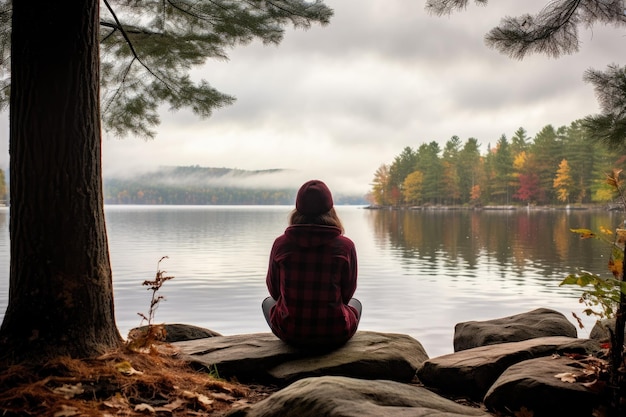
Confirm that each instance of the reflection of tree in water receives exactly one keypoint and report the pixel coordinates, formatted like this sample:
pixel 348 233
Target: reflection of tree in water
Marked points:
pixel 514 242
pixel 562 237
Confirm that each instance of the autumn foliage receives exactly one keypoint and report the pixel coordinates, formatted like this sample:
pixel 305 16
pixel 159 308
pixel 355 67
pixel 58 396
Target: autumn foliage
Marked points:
pixel 605 298
pixel 556 166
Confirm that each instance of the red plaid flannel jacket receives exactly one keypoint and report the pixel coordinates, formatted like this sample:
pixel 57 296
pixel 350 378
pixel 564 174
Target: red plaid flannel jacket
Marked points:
pixel 312 274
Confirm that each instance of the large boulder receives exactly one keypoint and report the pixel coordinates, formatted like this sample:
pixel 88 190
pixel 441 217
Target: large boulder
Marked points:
pixel 263 357
pixel 544 387
pixel 600 330
pixel 541 322
pixel 333 396
pixel 470 373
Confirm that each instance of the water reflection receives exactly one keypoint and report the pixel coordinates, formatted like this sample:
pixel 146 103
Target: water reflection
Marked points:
pixel 420 272
pixel 513 244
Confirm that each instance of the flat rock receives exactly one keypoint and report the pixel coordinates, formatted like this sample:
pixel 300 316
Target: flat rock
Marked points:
pixel 246 356
pixel 177 332
pixel 541 322
pixel 470 373
pixel 538 386
pixel 335 396
pixel 263 357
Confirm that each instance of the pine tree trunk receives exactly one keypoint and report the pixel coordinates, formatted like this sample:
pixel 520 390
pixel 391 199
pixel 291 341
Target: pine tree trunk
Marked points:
pixel 60 294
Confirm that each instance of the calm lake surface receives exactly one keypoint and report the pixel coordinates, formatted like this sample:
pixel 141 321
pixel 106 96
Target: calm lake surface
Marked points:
pixel 420 272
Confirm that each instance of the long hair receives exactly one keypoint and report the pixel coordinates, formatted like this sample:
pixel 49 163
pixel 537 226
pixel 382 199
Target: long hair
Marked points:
pixel 330 218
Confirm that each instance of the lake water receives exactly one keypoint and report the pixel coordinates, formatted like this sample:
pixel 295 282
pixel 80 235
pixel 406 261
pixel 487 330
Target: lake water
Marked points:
pixel 420 272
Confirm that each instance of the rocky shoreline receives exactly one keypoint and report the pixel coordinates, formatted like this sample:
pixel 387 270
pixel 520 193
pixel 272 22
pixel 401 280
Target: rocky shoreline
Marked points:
pixel 530 364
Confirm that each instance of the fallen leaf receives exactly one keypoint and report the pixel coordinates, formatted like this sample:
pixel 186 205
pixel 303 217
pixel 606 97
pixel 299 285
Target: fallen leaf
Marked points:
pixel 144 407
pixel 174 405
pixel 67 411
pixel 566 377
pixel 69 391
pixel 117 402
pixel 223 397
pixel 126 368
pixel 202 399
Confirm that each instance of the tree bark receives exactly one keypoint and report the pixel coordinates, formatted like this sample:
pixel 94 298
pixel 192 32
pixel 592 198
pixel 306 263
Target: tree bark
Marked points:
pixel 61 292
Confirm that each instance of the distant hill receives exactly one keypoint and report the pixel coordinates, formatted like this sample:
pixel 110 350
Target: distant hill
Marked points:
pixel 195 185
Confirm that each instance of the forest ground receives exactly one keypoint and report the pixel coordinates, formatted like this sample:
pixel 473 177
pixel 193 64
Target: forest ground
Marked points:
pixel 121 382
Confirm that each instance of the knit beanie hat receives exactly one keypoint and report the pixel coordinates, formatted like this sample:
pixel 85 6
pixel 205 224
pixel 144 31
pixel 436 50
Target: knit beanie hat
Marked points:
pixel 314 198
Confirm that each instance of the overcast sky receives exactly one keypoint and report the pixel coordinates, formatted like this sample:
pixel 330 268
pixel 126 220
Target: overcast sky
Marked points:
pixel 336 102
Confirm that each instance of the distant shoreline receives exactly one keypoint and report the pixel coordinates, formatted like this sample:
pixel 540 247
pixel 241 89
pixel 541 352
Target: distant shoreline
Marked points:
pixel 510 207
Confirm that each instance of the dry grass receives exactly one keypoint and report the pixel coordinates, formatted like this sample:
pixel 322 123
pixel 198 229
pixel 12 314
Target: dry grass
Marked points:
pixel 120 383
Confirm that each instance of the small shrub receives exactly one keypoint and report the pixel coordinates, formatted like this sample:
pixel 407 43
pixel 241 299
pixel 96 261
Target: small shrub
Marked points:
pixel 143 338
pixel 605 298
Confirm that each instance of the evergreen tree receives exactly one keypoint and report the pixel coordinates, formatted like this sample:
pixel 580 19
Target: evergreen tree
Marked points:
pixel 546 155
pixel 605 160
pixel 450 166
pixel 503 180
pixel 60 284
pixel 582 155
pixel 401 167
pixel 489 175
pixel 610 87
pixel 429 162
pixel 519 141
pixel 554 32
pixel 148 49
pixel 470 169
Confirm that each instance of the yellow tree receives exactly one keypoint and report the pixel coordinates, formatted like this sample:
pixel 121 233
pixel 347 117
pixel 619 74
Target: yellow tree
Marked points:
pixel 520 163
pixel 380 186
pixel 563 182
pixel 412 187
pixel 520 166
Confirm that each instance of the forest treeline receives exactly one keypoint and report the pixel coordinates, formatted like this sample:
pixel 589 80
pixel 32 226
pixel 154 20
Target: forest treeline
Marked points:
pixel 195 185
pixel 557 166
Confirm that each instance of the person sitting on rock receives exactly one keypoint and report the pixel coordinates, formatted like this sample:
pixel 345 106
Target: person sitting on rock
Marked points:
pixel 312 275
